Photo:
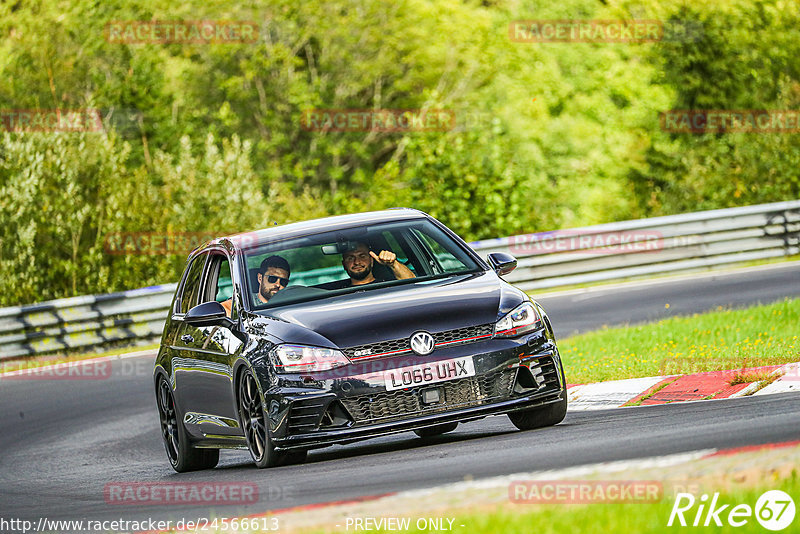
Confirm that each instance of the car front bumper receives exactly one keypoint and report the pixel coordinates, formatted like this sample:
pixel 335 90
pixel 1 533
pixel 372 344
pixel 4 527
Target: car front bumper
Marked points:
pixel 353 403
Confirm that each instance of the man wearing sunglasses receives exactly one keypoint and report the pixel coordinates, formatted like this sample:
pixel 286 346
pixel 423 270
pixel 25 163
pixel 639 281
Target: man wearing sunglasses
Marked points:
pixel 273 275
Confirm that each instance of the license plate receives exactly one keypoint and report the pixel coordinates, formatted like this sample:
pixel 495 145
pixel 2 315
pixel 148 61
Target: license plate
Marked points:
pixel 428 373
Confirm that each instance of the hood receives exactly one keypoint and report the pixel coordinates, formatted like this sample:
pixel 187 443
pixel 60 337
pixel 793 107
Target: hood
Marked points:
pixel 396 312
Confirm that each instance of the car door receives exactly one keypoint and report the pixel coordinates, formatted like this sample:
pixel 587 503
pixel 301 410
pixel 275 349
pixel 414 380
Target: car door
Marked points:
pixel 213 350
pixel 181 363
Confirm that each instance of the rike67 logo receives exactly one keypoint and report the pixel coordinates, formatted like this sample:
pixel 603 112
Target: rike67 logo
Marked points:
pixel 774 510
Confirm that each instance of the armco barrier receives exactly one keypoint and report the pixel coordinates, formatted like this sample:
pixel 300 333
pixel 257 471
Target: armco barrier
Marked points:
pixel 614 251
pixel 88 321
pixel 672 244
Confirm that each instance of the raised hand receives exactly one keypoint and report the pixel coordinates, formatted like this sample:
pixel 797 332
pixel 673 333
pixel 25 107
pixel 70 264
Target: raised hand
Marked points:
pixel 386 257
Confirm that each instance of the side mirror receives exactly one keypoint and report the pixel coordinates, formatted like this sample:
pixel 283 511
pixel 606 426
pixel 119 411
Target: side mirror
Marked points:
pixel 501 262
pixel 206 314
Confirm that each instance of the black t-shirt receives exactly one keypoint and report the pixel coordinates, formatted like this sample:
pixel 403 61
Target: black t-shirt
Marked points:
pixel 342 284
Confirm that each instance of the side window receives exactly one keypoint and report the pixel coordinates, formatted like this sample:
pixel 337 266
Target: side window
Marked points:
pixel 397 249
pixel 218 283
pixel 445 258
pixel 191 285
pixel 224 289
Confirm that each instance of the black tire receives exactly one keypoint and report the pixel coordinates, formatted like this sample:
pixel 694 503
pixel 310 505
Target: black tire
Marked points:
pixel 437 430
pixel 181 454
pixel 256 427
pixel 548 415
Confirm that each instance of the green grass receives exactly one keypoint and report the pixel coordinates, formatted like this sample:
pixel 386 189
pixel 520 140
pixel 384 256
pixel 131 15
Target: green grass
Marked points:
pixel 714 341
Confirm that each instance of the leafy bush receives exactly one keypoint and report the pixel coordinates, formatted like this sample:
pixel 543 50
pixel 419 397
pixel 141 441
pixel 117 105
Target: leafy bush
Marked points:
pixel 208 138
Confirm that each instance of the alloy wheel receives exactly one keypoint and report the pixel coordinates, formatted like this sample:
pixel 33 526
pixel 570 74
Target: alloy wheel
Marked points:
pixel 252 415
pixel 169 421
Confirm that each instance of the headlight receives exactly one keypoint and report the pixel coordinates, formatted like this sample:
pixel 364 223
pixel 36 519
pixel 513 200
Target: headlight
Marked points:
pixel 303 358
pixel 520 320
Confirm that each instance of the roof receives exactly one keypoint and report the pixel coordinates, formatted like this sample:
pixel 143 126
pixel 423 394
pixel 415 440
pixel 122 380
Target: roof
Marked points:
pixel 303 228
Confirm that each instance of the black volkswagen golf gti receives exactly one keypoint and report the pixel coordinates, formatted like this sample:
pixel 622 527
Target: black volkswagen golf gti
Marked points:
pixel 346 328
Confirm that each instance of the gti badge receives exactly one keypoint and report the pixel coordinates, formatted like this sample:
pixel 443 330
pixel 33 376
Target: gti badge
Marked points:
pixel 422 343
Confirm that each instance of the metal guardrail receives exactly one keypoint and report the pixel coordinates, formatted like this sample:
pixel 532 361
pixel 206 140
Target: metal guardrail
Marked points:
pixel 82 322
pixel 614 251
pixel 660 245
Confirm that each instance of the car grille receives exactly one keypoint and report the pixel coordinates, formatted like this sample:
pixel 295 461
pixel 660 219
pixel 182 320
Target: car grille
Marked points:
pixel 470 334
pixel 461 393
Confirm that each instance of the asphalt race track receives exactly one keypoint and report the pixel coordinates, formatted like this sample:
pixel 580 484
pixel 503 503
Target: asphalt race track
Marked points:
pixel 62 441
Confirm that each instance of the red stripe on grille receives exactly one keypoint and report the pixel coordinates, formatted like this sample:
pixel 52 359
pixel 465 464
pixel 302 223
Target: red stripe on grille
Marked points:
pixel 379 354
pixel 462 340
pixel 409 350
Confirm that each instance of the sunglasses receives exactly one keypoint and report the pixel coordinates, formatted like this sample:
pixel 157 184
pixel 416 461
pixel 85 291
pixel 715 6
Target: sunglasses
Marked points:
pixel 271 278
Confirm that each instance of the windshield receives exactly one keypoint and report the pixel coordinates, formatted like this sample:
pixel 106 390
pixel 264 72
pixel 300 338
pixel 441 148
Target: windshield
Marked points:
pixel 367 258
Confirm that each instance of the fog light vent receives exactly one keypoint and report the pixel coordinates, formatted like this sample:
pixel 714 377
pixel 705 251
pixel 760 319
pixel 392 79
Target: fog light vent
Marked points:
pixel 528 379
pixel 336 416
pixel 538 375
